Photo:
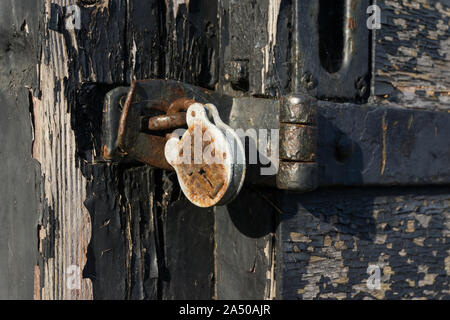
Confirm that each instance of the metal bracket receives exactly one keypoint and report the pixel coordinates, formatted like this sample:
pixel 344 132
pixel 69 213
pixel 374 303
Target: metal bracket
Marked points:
pixel 350 81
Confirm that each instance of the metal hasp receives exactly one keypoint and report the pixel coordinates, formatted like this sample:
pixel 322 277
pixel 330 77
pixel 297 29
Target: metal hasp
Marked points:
pixel 138 125
pixel 136 120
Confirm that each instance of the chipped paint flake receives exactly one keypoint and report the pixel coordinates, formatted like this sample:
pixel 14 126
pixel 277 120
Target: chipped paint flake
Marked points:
pixel 298 237
pixel 177 4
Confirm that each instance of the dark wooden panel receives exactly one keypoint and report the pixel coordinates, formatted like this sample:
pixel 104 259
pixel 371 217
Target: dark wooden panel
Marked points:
pixel 96 52
pixel 107 249
pixel 139 247
pixel 249 41
pixel 245 234
pixel 412 60
pixel 179 42
pixel 192 44
pixel 327 240
pixel 188 251
pixel 254 58
pixel 145 39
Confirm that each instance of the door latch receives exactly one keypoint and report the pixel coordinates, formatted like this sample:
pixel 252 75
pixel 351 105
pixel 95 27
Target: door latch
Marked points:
pixel 311 143
pixel 204 136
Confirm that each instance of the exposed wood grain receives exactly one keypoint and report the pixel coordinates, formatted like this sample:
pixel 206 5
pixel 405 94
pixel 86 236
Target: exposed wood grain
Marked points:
pixel 145 39
pixel 134 252
pixel 97 51
pixel 192 42
pixel 66 223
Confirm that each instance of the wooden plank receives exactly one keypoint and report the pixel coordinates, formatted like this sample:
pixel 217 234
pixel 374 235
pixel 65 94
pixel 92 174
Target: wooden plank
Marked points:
pixel 145 40
pixel 411 54
pixel 249 40
pixel 107 250
pixel 65 229
pixel 191 55
pixel 328 239
pixel 96 52
pixel 141 265
pixel 192 42
pixel 64 223
pixel 244 229
pixel 188 252
pixel 19 172
pixel 244 256
pixel 179 42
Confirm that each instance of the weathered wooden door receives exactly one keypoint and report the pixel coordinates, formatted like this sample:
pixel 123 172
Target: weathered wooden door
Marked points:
pixel 81 228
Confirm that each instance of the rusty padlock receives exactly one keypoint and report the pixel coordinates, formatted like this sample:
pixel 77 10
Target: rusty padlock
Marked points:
pixel 209 159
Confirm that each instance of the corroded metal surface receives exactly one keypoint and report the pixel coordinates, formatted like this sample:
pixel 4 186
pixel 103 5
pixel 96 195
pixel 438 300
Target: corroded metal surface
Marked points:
pixel 205 183
pixel 179 105
pixel 124 112
pixel 150 149
pixel 299 109
pixel 298 142
pixel 299 176
pixel 206 165
pixel 168 121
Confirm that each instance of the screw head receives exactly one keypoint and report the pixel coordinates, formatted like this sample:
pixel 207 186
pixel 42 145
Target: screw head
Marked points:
pixel 361 86
pixel 308 81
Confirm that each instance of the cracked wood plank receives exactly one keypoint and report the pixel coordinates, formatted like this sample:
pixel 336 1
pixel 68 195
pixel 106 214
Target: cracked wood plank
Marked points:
pixel 328 239
pixel 412 54
pixel 65 229
pixel 133 252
